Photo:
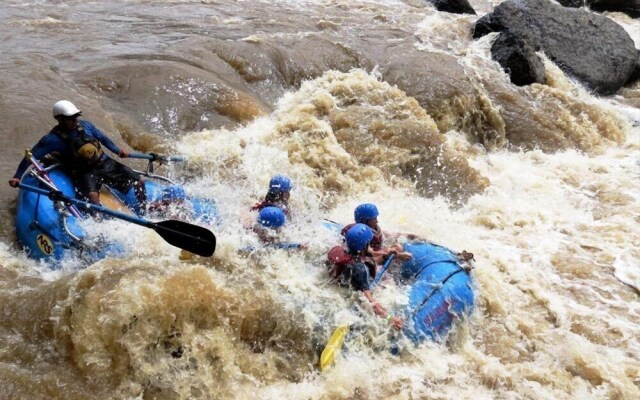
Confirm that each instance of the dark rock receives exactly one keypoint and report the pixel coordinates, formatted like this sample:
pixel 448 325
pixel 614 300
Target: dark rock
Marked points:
pixel 572 3
pixel 629 7
pixel 636 72
pixel 453 6
pixel 590 47
pixel 486 25
pixel 518 58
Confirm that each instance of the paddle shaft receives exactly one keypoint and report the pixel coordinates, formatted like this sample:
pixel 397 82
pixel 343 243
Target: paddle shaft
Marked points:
pixel 383 270
pixel 57 195
pixel 154 157
pixel 193 238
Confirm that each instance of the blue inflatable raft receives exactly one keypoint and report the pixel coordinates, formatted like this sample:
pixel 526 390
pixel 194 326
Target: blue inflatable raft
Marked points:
pixel 441 291
pixel 440 288
pixel 50 230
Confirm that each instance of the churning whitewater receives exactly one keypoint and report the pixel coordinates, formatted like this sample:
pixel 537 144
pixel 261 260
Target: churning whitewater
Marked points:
pixel 388 102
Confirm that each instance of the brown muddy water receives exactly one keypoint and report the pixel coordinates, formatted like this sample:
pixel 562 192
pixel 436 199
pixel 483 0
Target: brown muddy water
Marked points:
pixel 358 101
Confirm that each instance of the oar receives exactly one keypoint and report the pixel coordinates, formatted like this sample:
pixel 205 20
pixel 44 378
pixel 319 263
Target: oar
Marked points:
pixel 384 269
pixel 154 157
pixel 193 238
pixel 333 346
pixel 332 225
pixel 337 338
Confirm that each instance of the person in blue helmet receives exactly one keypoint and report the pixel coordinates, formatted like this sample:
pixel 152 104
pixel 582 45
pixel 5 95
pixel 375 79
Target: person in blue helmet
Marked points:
pixel 269 223
pixel 278 194
pixel 172 204
pixel 79 145
pixel 367 214
pixel 353 265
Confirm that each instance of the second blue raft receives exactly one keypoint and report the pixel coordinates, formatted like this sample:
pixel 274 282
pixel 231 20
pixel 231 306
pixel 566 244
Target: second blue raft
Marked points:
pixel 441 291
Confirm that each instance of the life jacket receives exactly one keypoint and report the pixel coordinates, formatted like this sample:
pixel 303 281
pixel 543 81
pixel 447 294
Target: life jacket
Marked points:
pixel 376 242
pixel 85 148
pixel 339 260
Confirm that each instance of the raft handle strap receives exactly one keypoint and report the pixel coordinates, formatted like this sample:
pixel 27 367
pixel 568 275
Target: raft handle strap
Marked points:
pixel 436 290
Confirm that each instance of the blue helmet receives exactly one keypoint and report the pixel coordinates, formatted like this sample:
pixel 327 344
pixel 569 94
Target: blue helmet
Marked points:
pixel 279 184
pixel 365 212
pixel 358 237
pixel 272 217
pixel 173 193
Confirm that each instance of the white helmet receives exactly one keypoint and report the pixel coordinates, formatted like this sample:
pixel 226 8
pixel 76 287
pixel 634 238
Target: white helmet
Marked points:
pixel 66 108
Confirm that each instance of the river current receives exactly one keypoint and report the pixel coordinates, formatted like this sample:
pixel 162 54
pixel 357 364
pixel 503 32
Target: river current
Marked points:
pixel 382 101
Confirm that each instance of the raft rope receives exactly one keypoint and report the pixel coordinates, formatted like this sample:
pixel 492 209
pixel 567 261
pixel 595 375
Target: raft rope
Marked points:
pixel 464 257
pixel 415 310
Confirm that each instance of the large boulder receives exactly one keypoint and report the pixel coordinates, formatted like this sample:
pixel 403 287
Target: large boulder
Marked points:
pixel 518 58
pixel 587 46
pixel 630 7
pixel 453 6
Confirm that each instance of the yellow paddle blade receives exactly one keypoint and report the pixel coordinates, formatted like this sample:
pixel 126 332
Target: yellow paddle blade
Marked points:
pixel 333 346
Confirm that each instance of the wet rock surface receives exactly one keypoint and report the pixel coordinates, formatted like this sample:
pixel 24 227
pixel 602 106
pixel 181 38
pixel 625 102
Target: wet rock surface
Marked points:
pixel 590 47
pixel 572 3
pixel 629 7
pixel 518 58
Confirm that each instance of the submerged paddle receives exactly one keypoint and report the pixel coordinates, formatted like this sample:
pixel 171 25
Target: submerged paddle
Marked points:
pixel 337 339
pixel 193 238
pixel 333 346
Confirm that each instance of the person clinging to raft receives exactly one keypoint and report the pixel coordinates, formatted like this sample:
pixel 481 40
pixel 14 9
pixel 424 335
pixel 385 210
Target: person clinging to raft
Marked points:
pixel 353 265
pixel 268 224
pixel 367 214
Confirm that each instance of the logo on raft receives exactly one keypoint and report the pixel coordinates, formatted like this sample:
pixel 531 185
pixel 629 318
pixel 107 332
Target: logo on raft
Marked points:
pixel 45 244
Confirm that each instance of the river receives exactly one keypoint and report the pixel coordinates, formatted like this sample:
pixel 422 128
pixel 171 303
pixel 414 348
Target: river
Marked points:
pixel 378 101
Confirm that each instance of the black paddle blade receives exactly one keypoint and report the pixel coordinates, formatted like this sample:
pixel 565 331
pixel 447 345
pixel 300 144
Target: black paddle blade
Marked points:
pixel 193 238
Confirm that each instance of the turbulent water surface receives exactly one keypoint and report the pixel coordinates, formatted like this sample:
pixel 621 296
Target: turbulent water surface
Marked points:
pixel 379 101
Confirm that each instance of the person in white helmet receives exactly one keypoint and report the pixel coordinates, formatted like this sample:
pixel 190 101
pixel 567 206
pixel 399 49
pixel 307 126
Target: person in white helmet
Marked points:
pixel 79 143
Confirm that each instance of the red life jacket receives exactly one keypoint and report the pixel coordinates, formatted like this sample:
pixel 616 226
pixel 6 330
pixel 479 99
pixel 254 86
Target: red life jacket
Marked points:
pixel 376 242
pixel 339 259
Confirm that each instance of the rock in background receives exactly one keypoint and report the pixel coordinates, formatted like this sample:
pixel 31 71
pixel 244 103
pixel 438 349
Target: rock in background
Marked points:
pixel 453 6
pixel 587 46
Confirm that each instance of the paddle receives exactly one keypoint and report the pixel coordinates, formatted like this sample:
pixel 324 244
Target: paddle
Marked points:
pixel 333 346
pixel 156 157
pixel 383 270
pixel 193 238
pixel 337 338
